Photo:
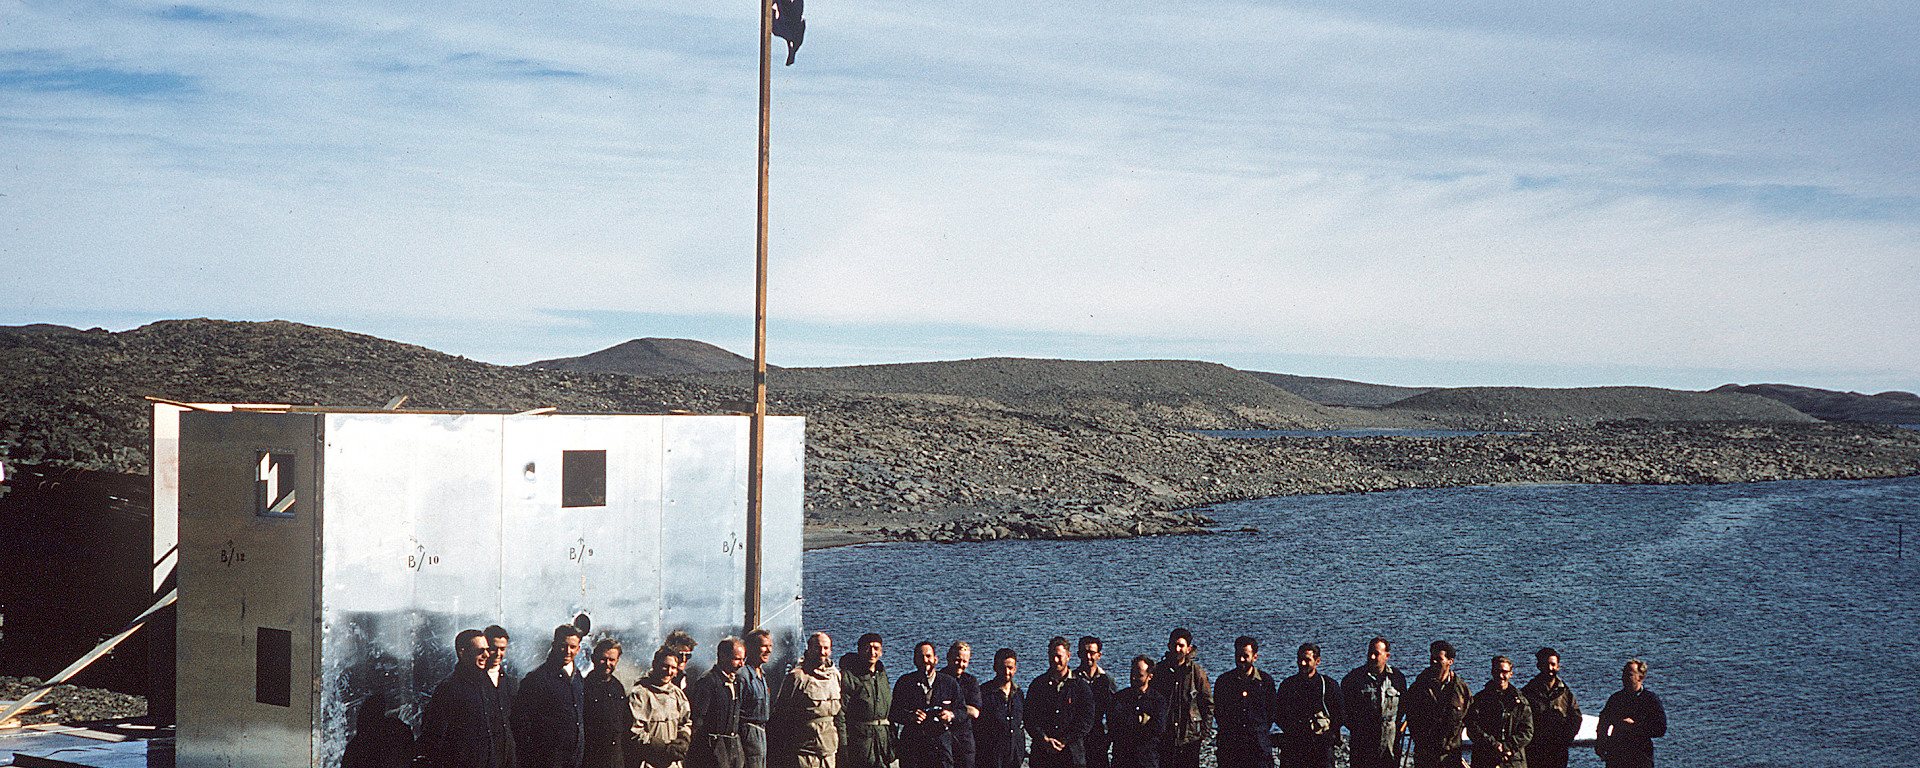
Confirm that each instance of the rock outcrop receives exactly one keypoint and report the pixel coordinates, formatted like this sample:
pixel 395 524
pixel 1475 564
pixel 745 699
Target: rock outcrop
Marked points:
pixel 1883 408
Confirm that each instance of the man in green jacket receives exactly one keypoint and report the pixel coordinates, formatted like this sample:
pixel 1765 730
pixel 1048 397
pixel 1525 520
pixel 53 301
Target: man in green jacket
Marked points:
pixel 1556 716
pixel 1437 710
pixel 1181 680
pixel 866 739
pixel 1500 721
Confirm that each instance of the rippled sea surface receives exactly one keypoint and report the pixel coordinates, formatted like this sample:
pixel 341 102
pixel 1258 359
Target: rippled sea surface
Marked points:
pixel 1779 618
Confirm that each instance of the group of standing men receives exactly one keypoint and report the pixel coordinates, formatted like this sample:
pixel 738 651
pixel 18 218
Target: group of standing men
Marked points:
pixel 1077 717
pixel 1531 726
pixel 554 717
pixel 824 715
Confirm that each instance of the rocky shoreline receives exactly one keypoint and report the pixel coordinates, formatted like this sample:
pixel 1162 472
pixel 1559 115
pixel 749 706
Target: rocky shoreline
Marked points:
pixel 979 475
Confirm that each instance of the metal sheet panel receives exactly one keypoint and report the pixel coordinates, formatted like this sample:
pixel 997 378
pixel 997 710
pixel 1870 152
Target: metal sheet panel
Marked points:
pixel 410 556
pixel 240 573
pixel 703 529
pixel 600 560
pixel 781 550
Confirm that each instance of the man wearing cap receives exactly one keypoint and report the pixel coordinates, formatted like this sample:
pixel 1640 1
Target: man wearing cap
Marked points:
pixel 1183 683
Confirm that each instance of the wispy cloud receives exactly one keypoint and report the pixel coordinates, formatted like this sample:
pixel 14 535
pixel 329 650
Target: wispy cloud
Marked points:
pixel 1630 187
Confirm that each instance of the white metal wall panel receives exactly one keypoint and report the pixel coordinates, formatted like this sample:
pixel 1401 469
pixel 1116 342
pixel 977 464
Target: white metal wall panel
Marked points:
pixel 782 516
pixel 703 528
pixel 410 556
pixel 601 560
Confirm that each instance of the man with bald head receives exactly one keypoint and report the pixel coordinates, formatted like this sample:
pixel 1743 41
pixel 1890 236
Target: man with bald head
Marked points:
pixel 802 733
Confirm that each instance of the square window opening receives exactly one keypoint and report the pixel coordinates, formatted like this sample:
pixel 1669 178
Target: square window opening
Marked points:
pixel 583 478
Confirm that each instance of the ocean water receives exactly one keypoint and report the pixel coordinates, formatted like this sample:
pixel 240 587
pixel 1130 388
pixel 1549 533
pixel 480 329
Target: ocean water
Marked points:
pixel 1778 618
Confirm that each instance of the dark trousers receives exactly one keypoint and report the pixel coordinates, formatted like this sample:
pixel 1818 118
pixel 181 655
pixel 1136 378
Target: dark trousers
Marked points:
pixel 1633 759
pixel 1545 756
pixel 1370 755
pixel 1306 753
pixel 1042 757
pixel 1098 744
pixel 1180 755
pixel 1426 757
pixel 963 751
pixel 1243 750
pixel 922 747
pixel 715 751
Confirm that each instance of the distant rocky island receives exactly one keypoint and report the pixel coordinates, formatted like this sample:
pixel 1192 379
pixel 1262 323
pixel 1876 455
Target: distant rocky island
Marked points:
pixel 980 449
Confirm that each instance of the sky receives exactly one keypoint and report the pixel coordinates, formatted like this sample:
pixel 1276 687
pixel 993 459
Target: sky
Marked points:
pixel 1424 193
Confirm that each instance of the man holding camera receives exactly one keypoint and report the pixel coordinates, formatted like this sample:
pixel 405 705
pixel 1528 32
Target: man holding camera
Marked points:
pixel 924 705
pixel 1309 712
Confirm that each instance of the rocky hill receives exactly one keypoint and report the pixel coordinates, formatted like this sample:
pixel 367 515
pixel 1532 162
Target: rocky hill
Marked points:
pixel 1883 408
pixel 1175 393
pixel 968 449
pixel 652 357
pixel 1339 391
pixel 75 398
pixel 1526 408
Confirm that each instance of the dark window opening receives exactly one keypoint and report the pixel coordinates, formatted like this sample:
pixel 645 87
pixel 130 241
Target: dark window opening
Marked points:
pixel 273 482
pixel 273 667
pixel 583 478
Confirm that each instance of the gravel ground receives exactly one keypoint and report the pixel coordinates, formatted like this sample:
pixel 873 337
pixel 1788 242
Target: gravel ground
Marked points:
pixel 71 703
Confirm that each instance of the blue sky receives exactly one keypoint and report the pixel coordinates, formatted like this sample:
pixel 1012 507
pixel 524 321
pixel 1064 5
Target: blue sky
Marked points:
pixel 1675 194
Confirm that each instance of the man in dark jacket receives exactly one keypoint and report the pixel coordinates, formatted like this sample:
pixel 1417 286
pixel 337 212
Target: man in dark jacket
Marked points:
pixel 1310 712
pixel 503 678
pixel 1098 740
pixel 1373 693
pixel 1243 702
pixel 959 657
pixel 926 703
pixel 1630 722
pixel 1138 720
pixel 1183 683
pixel 1437 710
pixel 866 738
pixel 1500 721
pixel 1556 716
pixel 715 699
pixel 546 710
pixel 464 725
pixel 605 716
pixel 1000 736
pixel 1057 713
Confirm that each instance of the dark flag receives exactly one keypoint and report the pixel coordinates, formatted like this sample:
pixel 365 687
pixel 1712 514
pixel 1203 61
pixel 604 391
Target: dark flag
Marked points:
pixel 788 26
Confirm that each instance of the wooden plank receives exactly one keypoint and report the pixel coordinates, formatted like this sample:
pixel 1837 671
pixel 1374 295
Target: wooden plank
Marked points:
pixel 105 647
